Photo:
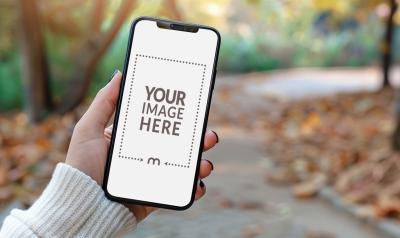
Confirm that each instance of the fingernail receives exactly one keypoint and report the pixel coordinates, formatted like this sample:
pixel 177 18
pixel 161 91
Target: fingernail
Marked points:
pixel 215 133
pixel 201 184
pixel 212 165
pixel 112 76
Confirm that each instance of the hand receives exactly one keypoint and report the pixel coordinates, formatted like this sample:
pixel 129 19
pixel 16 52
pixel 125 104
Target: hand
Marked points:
pixel 90 141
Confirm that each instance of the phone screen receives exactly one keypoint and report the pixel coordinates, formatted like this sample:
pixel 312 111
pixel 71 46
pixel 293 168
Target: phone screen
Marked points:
pixel 163 109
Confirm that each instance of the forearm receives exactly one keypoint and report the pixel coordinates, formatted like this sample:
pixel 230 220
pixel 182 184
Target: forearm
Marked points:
pixel 71 205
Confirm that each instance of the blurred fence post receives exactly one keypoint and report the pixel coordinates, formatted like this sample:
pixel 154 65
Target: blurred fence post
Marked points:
pixel 34 61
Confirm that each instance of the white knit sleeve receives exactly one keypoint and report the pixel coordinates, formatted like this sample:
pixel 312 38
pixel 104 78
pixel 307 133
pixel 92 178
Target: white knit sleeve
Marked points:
pixel 72 205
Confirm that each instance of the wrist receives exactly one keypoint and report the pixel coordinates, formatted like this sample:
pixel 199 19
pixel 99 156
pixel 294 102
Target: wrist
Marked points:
pixel 73 204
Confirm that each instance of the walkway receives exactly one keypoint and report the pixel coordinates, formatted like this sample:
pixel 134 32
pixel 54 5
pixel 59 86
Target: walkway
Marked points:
pixel 240 204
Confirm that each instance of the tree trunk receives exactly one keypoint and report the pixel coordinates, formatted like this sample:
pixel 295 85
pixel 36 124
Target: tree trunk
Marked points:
pixel 396 134
pixel 386 68
pixel 34 62
pixel 387 44
pixel 92 51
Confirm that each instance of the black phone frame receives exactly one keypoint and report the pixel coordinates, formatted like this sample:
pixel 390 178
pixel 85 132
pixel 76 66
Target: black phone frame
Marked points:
pixel 118 109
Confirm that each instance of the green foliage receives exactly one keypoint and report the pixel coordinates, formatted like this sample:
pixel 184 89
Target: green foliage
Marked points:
pixel 256 36
pixel 238 54
pixel 242 55
pixel 10 83
pixel 301 48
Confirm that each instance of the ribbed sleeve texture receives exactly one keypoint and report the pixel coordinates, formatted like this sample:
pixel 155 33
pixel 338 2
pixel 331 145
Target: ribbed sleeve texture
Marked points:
pixel 72 205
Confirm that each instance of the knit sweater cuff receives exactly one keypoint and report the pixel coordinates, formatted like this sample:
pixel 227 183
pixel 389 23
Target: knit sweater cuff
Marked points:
pixel 72 205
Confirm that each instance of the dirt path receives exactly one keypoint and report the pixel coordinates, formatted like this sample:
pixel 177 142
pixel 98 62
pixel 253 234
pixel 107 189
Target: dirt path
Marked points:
pixel 238 201
pixel 309 82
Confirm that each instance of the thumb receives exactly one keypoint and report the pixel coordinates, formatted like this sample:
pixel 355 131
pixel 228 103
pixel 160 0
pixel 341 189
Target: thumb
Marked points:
pixel 103 105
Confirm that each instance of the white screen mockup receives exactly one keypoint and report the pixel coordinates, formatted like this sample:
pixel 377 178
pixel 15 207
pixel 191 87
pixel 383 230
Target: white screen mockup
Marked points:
pixel 162 114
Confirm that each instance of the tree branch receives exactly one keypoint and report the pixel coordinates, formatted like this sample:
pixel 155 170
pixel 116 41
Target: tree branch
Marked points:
pixel 92 51
pixel 97 16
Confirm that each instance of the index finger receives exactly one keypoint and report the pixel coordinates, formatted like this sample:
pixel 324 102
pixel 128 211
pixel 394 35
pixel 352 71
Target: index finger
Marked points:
pixel 210 138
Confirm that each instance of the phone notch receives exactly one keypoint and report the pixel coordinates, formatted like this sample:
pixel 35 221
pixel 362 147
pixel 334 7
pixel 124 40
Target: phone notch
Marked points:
pixel 177 26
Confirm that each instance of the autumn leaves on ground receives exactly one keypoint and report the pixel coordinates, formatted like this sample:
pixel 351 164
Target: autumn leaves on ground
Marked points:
pixel 343 142
pixel 340 141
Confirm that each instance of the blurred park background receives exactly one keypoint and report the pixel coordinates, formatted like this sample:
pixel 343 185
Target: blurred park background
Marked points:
pixel 305 106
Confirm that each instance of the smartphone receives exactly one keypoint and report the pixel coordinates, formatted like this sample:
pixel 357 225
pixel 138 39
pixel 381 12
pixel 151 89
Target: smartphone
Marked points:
pixel 161 116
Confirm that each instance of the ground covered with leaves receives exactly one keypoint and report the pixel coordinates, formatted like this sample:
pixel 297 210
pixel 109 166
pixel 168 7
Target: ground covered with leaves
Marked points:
pixel 29 153
pixel 341 141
